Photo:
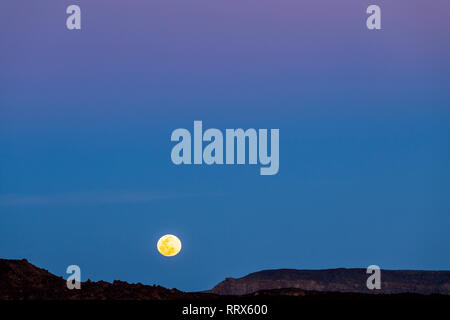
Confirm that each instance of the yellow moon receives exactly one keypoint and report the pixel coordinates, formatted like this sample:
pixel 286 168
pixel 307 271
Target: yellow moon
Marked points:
pixel 169 245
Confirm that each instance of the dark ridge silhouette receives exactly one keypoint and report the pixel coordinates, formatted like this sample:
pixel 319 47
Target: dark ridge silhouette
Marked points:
pixel 20 280
pixel 338 280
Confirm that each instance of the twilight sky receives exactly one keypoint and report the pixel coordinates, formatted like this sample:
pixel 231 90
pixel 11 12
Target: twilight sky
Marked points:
pixel 86 117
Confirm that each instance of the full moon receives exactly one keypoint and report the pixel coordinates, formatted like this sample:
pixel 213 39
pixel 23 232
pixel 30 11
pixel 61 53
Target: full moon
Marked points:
pixel 169 245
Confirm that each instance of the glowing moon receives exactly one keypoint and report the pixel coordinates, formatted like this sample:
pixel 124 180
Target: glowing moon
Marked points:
pixel 169 245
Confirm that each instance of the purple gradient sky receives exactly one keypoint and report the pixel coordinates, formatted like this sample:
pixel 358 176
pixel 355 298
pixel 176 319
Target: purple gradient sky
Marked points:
pixel 86 116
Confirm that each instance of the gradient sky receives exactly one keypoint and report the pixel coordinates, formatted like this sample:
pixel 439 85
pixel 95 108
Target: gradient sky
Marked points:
pixel 86 118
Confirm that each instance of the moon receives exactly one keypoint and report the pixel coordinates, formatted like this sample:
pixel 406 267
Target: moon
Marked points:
pixel 169 245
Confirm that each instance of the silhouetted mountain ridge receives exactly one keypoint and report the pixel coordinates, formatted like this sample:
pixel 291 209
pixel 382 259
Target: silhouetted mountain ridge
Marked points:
pixel 20 280
pixel 338 280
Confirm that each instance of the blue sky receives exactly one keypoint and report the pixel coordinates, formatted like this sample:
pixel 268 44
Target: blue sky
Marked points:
pixel 85 123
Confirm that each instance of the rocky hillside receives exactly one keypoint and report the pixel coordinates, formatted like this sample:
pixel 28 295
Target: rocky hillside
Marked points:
pixel 20 280
pixel 337 280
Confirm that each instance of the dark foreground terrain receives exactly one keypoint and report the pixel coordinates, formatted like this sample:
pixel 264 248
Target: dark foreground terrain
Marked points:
pixel 21 281
pixel 338 280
